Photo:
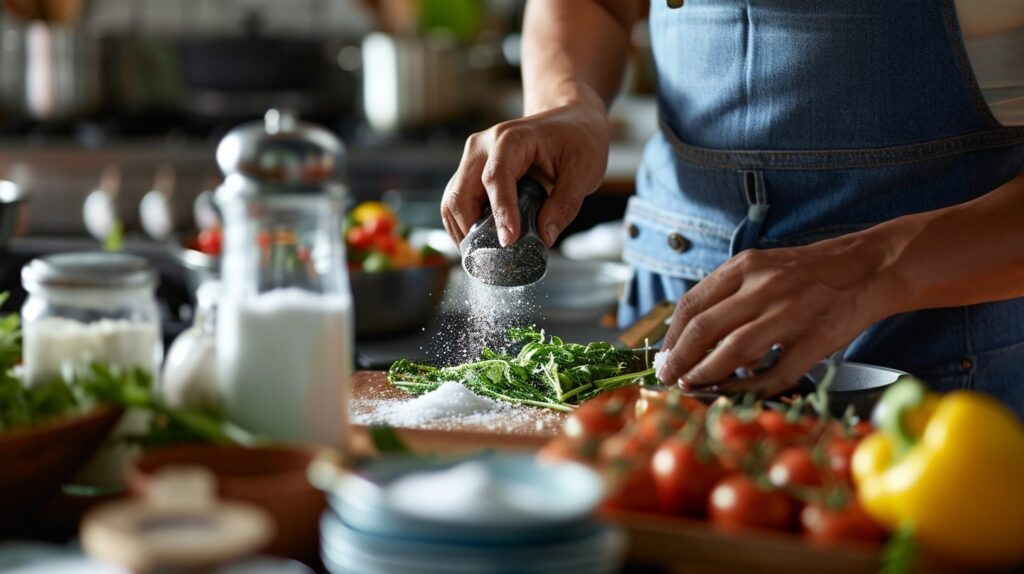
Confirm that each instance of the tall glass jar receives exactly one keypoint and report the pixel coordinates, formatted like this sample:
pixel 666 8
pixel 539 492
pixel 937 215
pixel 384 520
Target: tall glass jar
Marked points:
pixel 85 307
pixel 284 322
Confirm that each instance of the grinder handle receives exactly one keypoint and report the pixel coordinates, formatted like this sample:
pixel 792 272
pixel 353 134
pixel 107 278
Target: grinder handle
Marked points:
pixel 532 194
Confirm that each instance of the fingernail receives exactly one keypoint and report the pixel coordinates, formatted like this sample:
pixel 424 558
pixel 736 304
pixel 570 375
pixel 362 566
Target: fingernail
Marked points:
pixel 552 232
pixel 662 374
pixel 505 235
pixel 691 379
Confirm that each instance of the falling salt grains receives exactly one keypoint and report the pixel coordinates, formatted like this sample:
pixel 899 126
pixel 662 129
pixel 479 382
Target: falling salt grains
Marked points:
pixel 485 314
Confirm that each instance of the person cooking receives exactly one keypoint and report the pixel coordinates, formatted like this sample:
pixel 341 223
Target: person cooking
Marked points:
pixel 829 176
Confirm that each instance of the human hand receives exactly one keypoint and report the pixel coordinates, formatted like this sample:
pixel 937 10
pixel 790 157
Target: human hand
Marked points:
pixel 810 300
pixel 568 144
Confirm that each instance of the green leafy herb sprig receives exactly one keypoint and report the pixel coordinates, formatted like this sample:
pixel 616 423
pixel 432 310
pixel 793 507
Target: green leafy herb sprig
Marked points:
pixel 546 372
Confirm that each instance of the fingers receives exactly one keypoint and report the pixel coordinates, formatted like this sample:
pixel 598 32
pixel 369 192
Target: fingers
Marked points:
pixel 560 209
pixel 779 379
pixel 508 160
pixel 712 289
pixel 741 346
pixel 704 330
pixel 492 162
pixel 461 204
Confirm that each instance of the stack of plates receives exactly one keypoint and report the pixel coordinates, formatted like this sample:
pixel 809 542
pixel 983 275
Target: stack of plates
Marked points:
pixel 543 524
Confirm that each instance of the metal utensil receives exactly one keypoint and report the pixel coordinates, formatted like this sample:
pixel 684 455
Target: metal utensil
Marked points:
pixel 522 263
pixel 155 210
pixel 99 211
pixel 12 199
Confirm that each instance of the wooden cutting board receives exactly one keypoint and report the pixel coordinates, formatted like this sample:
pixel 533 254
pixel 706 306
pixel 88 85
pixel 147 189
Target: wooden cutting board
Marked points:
pixel 522 428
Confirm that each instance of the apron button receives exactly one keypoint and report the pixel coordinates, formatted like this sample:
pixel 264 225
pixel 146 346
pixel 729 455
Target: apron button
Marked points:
pixel 967 364
pixel 678 243
pixel 675 3
pixel 632 230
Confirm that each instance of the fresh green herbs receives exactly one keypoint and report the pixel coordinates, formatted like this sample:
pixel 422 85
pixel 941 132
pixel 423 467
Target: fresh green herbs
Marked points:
pixel 546 372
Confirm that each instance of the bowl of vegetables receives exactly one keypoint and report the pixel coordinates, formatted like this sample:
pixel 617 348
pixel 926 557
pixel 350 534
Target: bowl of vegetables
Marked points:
pixel 398 274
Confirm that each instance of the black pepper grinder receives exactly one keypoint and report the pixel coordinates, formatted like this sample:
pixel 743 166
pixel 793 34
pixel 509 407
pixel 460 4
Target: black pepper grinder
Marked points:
pixel 522 263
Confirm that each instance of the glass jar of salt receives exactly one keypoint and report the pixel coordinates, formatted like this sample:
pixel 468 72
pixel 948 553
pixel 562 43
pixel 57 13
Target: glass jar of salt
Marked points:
pixel 284 321
pixel 89 307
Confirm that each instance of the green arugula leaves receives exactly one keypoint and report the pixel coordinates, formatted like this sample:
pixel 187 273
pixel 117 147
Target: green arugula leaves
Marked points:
pixel 546 372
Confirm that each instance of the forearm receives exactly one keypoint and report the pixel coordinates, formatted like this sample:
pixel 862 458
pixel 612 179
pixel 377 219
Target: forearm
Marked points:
pixel 961 255
pixel 574 50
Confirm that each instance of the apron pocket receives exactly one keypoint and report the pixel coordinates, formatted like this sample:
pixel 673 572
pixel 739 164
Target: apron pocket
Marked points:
pixel 673 244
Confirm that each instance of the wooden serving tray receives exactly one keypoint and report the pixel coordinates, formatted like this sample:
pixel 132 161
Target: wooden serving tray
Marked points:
pixel 695 547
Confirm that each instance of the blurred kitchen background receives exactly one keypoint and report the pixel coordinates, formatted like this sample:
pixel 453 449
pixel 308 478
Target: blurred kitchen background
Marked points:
pixel 105 101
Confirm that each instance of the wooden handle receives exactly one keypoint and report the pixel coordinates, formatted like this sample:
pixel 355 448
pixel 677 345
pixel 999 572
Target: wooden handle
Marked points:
pixel 649 328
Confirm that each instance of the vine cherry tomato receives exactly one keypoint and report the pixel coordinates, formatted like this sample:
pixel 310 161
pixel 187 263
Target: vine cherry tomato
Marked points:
pixel 840 454
pixel 850 524
pixel 779 429
pixel 794 466
pixel 379 225
pixel 628 445
pixel 863 429
pixel 209 241
pixel 596 419
pixel 739 503
pixel 683 477
pixel 735 432
pixel 359 238
pixel 384 243
pixel 654 426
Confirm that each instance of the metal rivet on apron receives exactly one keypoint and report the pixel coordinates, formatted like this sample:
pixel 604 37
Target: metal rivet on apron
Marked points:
pixel 632 230
pixel 678 242
pixel 675 3
pixel 967 364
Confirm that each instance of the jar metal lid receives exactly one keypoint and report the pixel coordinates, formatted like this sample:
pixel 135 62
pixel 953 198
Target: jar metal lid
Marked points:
pixel 280 148
pixel 88 270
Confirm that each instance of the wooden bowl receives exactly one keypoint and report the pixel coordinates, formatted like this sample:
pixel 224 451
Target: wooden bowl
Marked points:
pixel 38 459
pixel 273 478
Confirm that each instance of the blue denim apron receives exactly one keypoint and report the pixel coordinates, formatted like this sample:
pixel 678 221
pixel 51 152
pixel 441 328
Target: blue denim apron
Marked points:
pixel 785 122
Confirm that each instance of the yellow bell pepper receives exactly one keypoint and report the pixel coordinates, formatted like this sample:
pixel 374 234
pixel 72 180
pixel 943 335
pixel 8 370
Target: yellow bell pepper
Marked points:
pixel 950 468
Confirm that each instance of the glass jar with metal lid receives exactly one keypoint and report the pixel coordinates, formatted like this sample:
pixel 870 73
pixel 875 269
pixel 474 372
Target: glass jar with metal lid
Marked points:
pixel 284 325
pixel 85 307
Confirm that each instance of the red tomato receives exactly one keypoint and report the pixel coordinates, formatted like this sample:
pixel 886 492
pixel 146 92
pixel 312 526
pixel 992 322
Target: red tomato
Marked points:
pixel 738 503
pixel 825 526
pixel 625 445
pixel 863 429
pixel 794 466
pixel 632 486
pixel 379 225
pixel 209 241
pixel 779 430
pixel 596 419
pixel 656 425
pixel 359 238
pixel 840 453
pixel 263 240
pixel 682 478
pixel 737 434
pixel 385 243
pixel 675 403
